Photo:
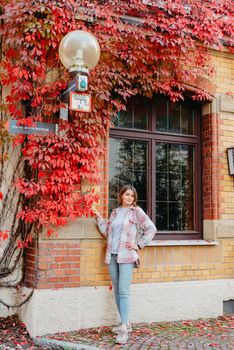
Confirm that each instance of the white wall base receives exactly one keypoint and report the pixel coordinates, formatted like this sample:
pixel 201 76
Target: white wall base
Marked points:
pixel 9 297
pixel 51 311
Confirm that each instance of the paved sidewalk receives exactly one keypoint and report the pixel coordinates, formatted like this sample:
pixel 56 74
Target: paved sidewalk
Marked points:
pixel 200 334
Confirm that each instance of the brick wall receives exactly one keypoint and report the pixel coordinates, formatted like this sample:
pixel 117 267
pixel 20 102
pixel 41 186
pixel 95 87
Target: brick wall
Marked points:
pixel 224 75
pixel 224 130
pixel 210 166
pixel 162 264
pixel 179 263
pixel 80 262
pixel 53 265
pixel 226 185
pixel 69 264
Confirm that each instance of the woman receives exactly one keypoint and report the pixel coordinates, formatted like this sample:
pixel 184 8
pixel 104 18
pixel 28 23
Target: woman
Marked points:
pixel 127 230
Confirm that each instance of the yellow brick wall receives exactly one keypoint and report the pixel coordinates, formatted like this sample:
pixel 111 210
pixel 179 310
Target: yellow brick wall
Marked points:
pixel 224 71
pixel 226 182
pixel 224 80
pixel 161 264
pixel 183 263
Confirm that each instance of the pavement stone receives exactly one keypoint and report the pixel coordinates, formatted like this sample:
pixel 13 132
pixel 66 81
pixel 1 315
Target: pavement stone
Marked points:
pixel 58 344
pixel 199 334
pixel 217 333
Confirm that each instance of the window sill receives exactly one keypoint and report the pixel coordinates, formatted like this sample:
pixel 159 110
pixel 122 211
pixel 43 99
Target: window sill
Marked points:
pixel 185 242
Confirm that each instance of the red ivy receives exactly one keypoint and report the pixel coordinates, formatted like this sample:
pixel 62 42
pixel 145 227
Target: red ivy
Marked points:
pixel 161 53
pixel 4 235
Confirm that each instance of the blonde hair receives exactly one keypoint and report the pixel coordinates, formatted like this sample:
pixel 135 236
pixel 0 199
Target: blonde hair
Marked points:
pixel 123 190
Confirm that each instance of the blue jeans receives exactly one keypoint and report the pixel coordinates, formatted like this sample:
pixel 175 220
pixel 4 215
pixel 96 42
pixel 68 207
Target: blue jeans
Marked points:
pixel 121 276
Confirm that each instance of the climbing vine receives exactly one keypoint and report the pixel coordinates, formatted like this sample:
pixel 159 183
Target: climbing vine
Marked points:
pixel 147 47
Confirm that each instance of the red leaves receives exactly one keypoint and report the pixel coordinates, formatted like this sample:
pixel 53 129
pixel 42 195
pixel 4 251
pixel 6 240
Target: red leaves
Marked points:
pixel 26 122
pixel 18 140
pixel 50 233
pixel 28 187
pixel 1 196
pixel 4 235
pixel 214 344
pixel 20 244
pixel 158 55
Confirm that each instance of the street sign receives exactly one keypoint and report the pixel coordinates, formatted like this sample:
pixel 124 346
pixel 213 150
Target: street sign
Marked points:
pixel 80 102
pixel 37 128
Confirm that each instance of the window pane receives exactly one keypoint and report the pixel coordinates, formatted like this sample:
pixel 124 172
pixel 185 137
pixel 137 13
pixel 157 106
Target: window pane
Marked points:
pixel 174 187
pixel 125 118
pixel 161 186
pixel 187 120
pixel 136 114
pixel 162 222
pixel 128 165
pixel 161 114
pixel 176 118
pixel 141 113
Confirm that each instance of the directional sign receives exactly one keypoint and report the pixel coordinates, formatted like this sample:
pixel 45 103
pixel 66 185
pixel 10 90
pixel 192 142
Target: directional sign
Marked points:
pixel 37 128
pixel 80 102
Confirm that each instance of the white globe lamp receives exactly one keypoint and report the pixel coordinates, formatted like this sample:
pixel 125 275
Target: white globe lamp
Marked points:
pixel 79 51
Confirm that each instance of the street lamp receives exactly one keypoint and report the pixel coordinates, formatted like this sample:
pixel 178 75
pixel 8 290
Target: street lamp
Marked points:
pixel 79 51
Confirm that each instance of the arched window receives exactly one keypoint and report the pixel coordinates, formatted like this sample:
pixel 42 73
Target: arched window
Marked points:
pixel 155 146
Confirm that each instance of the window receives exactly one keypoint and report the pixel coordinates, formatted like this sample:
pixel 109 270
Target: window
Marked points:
pixel 155 146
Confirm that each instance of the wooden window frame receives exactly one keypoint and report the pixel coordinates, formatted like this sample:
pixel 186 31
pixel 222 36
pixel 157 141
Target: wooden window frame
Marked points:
pixel 152 137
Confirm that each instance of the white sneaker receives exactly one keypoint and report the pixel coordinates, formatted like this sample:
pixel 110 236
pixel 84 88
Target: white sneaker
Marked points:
pixel 117 328
pixel 122 336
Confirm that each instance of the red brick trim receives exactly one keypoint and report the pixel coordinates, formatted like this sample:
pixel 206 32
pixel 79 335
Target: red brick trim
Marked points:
pixel 53 265
pixel 211 174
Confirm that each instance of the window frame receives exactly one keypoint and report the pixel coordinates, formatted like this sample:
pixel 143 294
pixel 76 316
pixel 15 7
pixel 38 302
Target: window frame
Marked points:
pixel 152 137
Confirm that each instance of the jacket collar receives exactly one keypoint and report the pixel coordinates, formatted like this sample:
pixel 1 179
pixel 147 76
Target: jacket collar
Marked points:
pixel 131 207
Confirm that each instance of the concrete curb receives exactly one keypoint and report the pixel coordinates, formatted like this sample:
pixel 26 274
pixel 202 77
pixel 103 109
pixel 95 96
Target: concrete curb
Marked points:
pixel 63 345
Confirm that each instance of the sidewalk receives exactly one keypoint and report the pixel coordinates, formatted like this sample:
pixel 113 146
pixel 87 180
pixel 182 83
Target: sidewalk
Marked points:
pixel 200 334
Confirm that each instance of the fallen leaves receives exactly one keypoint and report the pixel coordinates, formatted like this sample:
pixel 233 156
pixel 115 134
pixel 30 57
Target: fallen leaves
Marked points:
pixel 14 335
pixel 211 332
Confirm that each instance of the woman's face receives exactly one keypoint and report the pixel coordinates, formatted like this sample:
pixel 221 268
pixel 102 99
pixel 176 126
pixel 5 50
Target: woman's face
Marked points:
pixel 127 198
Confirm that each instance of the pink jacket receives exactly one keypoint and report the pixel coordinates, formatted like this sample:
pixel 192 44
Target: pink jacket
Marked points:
pixel 135 218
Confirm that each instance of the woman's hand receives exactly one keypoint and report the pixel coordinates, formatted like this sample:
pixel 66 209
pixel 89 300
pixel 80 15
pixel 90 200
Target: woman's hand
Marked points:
pixel 96 213
pixel 130 246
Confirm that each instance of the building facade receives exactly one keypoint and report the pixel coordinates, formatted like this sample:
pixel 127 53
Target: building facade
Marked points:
pixel 175 154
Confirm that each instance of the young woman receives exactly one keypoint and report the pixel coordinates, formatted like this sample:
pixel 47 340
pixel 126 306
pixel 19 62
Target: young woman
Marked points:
pixel 127 230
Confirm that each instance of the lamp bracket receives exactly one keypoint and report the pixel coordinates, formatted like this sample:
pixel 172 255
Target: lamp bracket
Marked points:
pixel 78 69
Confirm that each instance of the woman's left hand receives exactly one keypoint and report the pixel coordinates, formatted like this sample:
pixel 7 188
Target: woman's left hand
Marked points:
pixel 130 246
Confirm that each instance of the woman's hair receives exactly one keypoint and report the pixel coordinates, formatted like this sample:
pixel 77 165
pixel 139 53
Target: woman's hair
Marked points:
pixel 123 190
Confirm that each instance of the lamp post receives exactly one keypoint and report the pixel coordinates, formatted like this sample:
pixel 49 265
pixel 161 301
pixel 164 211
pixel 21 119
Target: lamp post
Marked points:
pixel 79 51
